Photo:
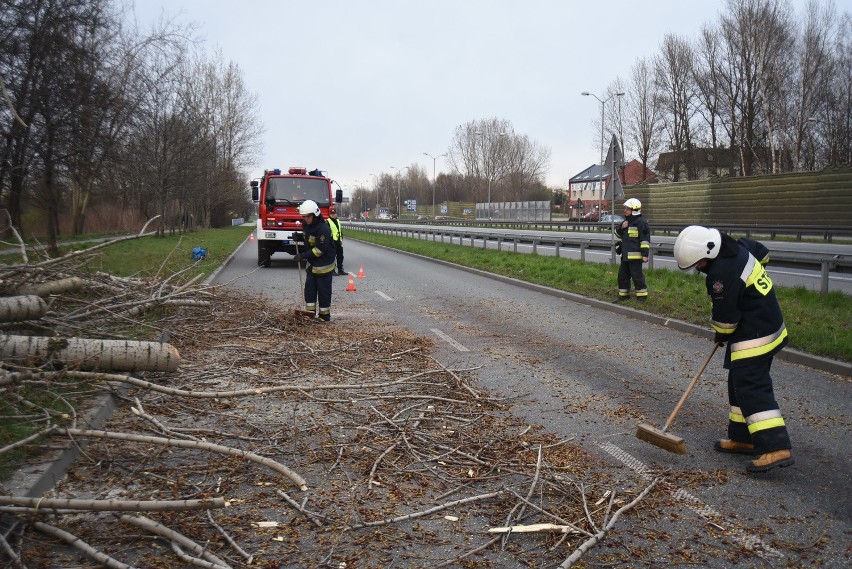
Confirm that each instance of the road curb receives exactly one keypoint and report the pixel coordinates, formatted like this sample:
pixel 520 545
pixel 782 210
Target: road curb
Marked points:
pixel 225 263
pixel 793 356
pixel 36 478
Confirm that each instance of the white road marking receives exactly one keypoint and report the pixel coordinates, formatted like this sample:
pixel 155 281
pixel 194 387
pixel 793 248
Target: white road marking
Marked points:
pixel 383 295
pixel 707 513
pixel 449 340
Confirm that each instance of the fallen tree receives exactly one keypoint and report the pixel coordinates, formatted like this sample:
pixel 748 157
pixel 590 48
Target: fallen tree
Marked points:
pixel 90 353
pixel 21 308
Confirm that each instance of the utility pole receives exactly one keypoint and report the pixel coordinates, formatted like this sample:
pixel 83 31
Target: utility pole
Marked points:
pixel 434 158
pixel 398 183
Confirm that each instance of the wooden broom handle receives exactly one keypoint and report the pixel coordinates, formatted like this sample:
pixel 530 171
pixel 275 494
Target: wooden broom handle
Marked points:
pixel 689 388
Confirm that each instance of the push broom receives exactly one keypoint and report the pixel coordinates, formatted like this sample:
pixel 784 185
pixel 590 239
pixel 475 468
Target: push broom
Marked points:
pixel 659 437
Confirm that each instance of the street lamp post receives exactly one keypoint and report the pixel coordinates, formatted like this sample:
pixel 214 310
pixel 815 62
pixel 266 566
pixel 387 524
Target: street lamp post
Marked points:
pixel 398 182
pixel 434 158
pixel 603 103
pixel 376 188
pixel 359 188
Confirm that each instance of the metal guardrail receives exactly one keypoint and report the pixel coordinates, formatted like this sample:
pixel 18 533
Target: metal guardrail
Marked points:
pixel 799 232
pixel 826 263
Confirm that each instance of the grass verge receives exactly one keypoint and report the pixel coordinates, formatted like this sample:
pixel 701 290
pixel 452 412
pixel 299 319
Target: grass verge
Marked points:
pixel 818 324
pixel 157 257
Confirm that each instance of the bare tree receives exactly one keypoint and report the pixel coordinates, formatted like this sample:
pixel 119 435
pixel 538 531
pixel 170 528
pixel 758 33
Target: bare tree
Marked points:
pixel 164 147
pixel 216 97
pixel 812 75
pixel 676 89
pixel 708 79
pixel 840 98
pixel 489 150
pixel 30 38
pixel 643 114
pixel 112 89
pixel 740 70
pixel 773 37
pixel 826 137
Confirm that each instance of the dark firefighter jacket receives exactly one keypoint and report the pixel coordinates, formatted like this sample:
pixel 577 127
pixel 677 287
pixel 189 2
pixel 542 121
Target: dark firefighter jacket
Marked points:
pixel 321 253
pixel 756 248
pixel 745 309
pixel 635 238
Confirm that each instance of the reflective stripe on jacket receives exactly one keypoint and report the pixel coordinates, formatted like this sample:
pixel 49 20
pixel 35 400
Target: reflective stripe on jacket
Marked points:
pixel 322 254
pixel 635 239
pixel 745 308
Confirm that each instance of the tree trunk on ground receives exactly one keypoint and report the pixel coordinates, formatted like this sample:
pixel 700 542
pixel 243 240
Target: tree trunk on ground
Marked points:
pixel 21 308
pixel 84 353
pixel 52 287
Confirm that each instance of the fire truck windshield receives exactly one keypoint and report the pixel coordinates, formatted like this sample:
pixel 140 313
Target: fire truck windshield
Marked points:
pixel 297 190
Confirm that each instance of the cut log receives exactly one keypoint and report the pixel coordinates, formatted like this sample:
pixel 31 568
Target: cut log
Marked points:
pixel 20 308
pixel 52 287
pixel 91 354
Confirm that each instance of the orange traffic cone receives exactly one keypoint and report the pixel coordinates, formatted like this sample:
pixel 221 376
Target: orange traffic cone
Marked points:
pixel 351 286
pixel 360 271
pixel 251 236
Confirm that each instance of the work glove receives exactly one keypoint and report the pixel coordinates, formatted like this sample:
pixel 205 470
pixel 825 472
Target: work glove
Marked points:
pixel 720 339
pixel 618 247
pixel 298 257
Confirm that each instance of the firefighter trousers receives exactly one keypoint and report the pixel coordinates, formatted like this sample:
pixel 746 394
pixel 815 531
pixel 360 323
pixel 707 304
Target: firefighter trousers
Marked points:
pixel 754 416
pixel 339 247
pixel 318 290
pixel 631 270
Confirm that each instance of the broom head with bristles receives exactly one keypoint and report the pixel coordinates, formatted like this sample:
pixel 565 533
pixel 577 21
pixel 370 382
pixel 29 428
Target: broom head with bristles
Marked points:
pixel 660 438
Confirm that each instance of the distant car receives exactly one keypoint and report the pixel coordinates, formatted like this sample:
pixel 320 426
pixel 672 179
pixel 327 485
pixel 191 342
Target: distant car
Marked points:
pixel 609 219
pixel 591 215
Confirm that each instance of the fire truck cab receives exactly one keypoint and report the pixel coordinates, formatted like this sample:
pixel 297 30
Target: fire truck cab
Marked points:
pixel 278 195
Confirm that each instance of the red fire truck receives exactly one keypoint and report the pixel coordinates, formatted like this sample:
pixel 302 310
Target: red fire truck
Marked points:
pixel 278 195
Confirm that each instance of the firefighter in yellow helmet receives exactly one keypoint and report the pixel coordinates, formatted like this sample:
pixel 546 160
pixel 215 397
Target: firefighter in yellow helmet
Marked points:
pixel 746 316
pixel 635 244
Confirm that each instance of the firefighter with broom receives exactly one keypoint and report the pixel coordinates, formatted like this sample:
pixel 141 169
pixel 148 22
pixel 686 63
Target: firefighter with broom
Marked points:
pixel 746 316
pixel 321 257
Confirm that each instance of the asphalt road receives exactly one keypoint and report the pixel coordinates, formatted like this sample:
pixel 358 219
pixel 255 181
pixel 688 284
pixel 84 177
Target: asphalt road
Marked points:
pixel 592 375
pixel 785 276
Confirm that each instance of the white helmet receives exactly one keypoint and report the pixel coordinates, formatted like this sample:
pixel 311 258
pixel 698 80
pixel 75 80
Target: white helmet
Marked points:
pixel 309 207
pixel 633 204
pixel 695 243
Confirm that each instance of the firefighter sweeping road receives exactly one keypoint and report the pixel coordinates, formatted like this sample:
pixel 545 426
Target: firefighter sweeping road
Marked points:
pixel 591 375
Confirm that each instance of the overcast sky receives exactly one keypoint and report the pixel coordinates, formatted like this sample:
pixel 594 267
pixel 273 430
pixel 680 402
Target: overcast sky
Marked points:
pixel 354 87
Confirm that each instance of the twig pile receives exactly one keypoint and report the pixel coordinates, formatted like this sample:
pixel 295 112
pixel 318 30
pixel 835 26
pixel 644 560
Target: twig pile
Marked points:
pixel 283 443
